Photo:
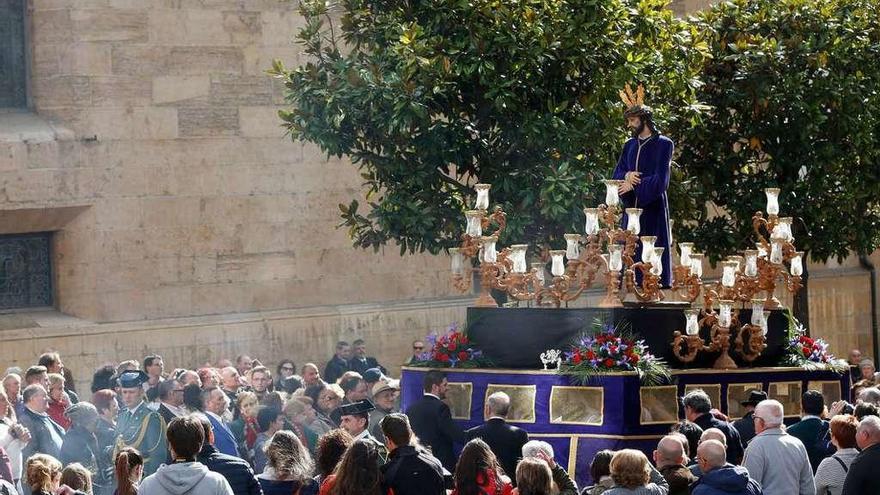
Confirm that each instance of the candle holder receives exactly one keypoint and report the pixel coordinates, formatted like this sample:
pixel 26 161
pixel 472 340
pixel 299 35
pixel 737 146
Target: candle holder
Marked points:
pixel 751 340
pixel 687 347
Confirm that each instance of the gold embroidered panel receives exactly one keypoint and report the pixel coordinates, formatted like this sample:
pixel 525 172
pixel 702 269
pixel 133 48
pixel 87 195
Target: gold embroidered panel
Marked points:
pixel 659 405
pixel 459 396
pixel 577 405
pixel 712 390
pixel 789 395
pixel 522 401
pixel 736 393
pixel 830 390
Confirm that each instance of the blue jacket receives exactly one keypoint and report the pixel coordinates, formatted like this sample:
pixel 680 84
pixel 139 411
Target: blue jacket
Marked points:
pixel 236 471
pixel 224 440
pixel 726 480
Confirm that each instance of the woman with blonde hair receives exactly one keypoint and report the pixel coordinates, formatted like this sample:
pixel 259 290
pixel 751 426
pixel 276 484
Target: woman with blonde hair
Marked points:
pixel 43 474
pixel 129 471
pixel 634 475
pixel 533 477
pixel 58 400
pixel 289 467
pixel 77 477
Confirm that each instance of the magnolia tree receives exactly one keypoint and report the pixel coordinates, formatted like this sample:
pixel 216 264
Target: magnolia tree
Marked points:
pixel 427 98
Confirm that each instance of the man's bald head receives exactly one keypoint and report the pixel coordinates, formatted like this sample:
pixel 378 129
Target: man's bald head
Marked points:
pixel 670 452
pixel 714 434
pixel 712 453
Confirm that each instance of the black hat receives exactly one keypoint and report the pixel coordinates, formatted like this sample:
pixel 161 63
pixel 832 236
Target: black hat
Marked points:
pixel 755 396
pixel 132 378
pixel 359 408
pixel 373 375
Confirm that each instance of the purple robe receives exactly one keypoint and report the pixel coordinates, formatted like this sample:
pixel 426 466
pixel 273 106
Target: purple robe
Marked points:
pixel 651 157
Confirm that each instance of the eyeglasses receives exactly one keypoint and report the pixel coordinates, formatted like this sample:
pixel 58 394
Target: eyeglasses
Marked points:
pixel 418 347
pixel 755 418
pixel 178 390
pixel 288 368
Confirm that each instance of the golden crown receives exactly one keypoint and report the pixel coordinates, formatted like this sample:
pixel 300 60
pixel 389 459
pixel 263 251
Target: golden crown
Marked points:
pixel 633 99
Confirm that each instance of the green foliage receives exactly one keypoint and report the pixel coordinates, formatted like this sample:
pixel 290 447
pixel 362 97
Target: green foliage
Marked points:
pixel 428 97
pixel 793 87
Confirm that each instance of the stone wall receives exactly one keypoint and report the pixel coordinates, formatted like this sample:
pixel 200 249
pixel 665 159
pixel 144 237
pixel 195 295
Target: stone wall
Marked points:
pixel 192 200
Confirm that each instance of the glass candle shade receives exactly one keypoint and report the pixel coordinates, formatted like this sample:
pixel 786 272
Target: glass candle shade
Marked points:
pixel 539 267
pixel 482 202
pixel 775 250
pixel 632 220
pixel 489 253
pixel 615 257
pixel 557 267
pixel 457 261
pixel 697 264
pixel 612 198
pixel 592 225
pixel 725 313
pixel 572 246
pixel 764 316
pixel 762 251
pixel 797 264
pixel 757 312
pixel 648 247
pixel 785 229
pixel 518 257
pixel 739 260
pixel 751 267
pixel 691 324
pixel 474 223
pixel 657 262
pixel 772 200
pixel 685 248
pixel 728 273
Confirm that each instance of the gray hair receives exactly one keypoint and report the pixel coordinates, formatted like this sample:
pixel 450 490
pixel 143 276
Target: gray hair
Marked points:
pixel 870 425
pixel 698 400
pixel 771 412
pixel 81 413
pixel 532 447
pixel 871 394
pixel 714 434
pixel 714 453
pixel 498 404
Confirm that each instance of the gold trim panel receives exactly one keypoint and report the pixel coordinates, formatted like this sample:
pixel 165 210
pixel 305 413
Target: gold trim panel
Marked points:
pixel 746 387
pixel 595 435
pixel 812 385
pixel 792 409
pixel 458 407
pixel 642 390
pixel 522 409
pixel 573 400
pixel 713 390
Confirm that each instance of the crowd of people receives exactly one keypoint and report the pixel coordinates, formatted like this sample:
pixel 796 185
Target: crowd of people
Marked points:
pixel 240 428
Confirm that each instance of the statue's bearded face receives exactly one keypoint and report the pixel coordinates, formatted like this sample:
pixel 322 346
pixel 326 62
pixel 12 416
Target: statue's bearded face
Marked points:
pixel 636 124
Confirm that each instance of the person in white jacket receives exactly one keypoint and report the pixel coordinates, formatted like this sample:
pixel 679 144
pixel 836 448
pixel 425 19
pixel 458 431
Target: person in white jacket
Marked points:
pixel 13 436
pixel 185 475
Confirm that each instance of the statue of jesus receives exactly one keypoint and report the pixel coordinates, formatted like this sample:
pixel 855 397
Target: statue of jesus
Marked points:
pixel 644 168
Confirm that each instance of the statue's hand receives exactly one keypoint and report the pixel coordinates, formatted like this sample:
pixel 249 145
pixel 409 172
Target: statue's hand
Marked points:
pixel 634 178
pixel 624 188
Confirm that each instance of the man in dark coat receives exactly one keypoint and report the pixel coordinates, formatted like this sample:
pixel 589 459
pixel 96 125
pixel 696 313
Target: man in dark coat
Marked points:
pixel 698 409
pixel 745 425
pixel 720 477
pixel 505 440
pixel 431 420
pixel 669 458
pixel 236 470
pixel 170 400
pixel 812 430
pixel 360 362
pixel 409 470
pixel 862 475
pixel 47 436
pixel 81 445
pixel 338 364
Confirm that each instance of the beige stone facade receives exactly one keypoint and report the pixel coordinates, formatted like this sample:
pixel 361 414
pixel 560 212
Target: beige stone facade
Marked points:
pixel 185 223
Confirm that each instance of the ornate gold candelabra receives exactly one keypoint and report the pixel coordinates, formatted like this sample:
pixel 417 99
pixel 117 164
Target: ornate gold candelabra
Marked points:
pixel 750 339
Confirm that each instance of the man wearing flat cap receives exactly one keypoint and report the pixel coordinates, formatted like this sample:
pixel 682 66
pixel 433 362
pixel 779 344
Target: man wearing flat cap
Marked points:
pixel 81 445
pixel 746 424
pixel 355 419
pixel 139 426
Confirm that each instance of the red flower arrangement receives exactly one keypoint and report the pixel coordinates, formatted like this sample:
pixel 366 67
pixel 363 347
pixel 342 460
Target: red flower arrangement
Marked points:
pixel 606 349
pixel 451 350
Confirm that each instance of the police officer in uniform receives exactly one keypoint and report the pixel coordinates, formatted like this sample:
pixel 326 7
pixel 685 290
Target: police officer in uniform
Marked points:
pixel 138 426
pixel 355 419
